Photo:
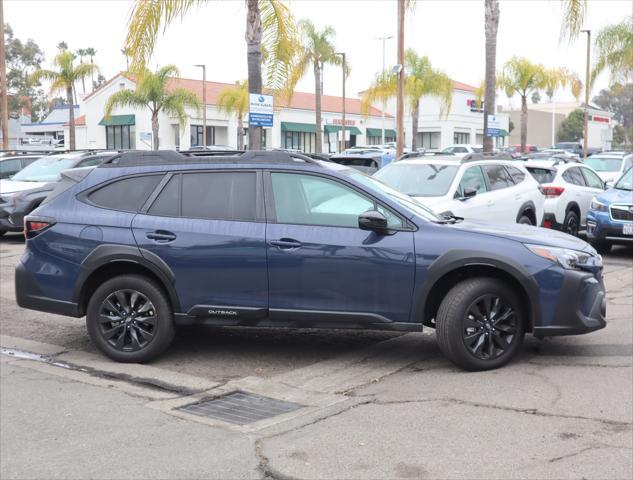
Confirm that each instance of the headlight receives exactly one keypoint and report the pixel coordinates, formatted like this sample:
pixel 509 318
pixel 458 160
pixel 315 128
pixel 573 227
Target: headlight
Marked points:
pixel 598 206
pixel 566 258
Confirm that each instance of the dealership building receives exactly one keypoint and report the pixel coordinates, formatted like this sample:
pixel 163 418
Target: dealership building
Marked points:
pixel 293 125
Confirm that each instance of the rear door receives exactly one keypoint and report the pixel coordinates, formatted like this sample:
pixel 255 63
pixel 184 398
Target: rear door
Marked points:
pixel 578 188
pixel 504 199
pixel 208 227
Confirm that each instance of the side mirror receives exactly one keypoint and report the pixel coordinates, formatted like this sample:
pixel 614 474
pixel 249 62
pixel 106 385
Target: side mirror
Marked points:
pixel 372 220
pixel 609 184
pixel 468 193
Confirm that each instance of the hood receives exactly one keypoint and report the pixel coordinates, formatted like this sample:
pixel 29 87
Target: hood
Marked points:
pixel 434 203
pixel 9 186
pixel 616 195
pixel 524 234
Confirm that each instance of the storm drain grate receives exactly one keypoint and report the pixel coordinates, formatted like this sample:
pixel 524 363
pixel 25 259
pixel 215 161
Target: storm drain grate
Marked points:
pixel 240 408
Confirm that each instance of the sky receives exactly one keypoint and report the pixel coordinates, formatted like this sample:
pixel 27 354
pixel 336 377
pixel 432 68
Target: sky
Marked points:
pixel 449 32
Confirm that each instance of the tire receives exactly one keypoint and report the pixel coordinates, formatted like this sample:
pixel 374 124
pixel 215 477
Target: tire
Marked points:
pixel 525 220
pixel 459 331
pixel 571 224
pixel 138 331
pixel 601 246
pixel 2 232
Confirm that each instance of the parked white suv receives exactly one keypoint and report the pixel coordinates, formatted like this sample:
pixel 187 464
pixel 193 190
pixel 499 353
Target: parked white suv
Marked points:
pixel 610 165
pixel 462 149
pixel 568 188
pixel 472 187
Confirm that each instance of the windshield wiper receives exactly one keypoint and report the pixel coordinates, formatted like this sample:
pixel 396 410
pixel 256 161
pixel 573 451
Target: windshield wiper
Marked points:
pixel 450 218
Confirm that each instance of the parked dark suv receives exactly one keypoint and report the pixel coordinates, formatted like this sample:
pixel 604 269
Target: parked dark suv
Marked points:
pixel 147 241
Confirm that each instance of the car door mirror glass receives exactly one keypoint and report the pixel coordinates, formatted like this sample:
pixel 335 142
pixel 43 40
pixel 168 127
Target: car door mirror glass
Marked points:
pixel 468 193
pixel 372 220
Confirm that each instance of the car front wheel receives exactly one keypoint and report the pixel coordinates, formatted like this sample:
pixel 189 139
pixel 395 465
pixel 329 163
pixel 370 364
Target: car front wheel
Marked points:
pixel 571 224
pixel 480 324
pixel 130 319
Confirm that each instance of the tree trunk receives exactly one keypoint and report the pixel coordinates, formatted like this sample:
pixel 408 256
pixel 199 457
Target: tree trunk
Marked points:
pixel 71 117
pixel 4 103
pixel 491 27
pixel 524 118
pixel 155 139
pixel 254 60
pixel 240 132
pixel 415 114
pixel 400 92
pixel 317 91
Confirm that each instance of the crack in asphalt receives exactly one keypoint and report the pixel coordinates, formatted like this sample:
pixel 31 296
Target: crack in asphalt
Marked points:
pixel 586 449
pixel 264 467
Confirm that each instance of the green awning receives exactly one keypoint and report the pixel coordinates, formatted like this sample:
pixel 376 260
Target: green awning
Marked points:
pixel 503 133
pixel 298 127
pixel 113 120
pixel 336 128
pixel 377 132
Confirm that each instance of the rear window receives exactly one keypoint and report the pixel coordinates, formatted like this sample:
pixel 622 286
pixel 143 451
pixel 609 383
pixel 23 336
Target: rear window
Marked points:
pixel 517 175
pixel 542 175
pixel 127 194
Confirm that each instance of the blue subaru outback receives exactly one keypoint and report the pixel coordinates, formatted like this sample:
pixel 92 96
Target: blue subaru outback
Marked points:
pixel 151 240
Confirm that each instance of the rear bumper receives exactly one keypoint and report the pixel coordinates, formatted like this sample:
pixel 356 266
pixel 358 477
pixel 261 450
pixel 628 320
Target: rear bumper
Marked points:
pixel 28 295
pixel 549 221
pixel 582 306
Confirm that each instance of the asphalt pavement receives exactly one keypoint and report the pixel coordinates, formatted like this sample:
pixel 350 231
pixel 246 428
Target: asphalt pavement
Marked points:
pixel 370 405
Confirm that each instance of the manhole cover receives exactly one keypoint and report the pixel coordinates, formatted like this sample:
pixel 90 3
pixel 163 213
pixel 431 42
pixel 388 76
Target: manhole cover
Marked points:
pixel 240 408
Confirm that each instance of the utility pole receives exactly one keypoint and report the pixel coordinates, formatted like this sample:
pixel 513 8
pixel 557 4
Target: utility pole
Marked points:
pixel 384 40
pixel 400 96
pixel 342 54
pixel 204 104
pixel 4 106
pixel 587 82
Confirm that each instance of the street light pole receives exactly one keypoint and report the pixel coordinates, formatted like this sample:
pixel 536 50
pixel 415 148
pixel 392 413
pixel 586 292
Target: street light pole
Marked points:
pixel 400 95
pixel 342 54
pixel 587 82
pixel 204 104
pixel 384 40
pixel 4 105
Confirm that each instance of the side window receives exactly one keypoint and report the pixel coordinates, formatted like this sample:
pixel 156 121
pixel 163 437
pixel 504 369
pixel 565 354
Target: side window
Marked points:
pixel 460 150
pixel 473 178
pixel 628 162
pixel 593 180
pixel 91 161
pixel 9 167
pixel 312 200
pixel 498 178
pixel 574 176
pixel 127 194
pixel 167 204
pixel 220 195
pixel 517 175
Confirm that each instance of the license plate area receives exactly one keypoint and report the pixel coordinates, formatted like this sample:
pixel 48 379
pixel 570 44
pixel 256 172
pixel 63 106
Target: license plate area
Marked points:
pixel 627 229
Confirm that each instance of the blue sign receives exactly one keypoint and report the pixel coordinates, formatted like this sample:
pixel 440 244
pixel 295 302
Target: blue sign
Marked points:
pixel 493 132
pixel 260 112
pixel 260 119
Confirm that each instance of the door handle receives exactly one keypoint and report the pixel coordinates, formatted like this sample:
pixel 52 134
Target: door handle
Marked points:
pixel 286 243
pixel 161 236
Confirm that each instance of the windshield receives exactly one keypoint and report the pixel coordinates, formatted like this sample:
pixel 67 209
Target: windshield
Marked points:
pixel 626 181
pixel 419 180
pixel 604 164
pixel 405 201
pixel 44 170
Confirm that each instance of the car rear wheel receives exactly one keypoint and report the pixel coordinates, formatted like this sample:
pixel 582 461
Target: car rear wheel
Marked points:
pixel 480 324
pixel 130 319
pixel 571 225
pixel 525 220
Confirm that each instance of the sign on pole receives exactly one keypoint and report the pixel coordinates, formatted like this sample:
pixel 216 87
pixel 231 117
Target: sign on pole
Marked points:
pixel 494 126
pixel 260 111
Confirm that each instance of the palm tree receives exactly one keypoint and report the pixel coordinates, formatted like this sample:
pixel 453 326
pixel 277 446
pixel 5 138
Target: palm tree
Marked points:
pixel 63 79
pixel 316 50
pixel 421 81
pixel 491 25
pixel 574 12
pixel 152 91
pixel 234 101
pixel 270 30
pixel 523 77
pixel 614 51
pixel 82 52
pixel 91 52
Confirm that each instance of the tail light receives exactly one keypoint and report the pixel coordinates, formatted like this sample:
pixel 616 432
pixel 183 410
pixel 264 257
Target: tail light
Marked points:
pixel 35 226
pixel 551 191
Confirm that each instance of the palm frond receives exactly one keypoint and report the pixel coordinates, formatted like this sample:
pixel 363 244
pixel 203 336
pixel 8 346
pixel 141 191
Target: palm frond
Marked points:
pixel 233 100
pixel 384 87
pixel 84 70
pixel 280 41
pixel 123 98
pixel 614 51
pixel 177 101
pixel 574 12
pixel 147 20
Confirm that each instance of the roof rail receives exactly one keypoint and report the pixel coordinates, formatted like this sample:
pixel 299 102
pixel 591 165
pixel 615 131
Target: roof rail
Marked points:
pixel 473 157
pixel 17 153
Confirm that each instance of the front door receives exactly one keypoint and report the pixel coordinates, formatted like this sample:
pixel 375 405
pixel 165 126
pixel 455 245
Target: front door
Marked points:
pixel 323 269
pixel 208 228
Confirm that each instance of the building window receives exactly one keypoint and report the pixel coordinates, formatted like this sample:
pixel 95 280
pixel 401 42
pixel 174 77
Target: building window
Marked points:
pixel 373 140
pixel 120 137
pixel 429 140
pixel 197 136
pixel 304 141
pixel 461 137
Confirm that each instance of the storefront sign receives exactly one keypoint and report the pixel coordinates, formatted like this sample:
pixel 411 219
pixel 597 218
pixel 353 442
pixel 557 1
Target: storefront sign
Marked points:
pixel 475 105
pixel 494 126
pixel 595 118
pixel 260 112
pixel 339 121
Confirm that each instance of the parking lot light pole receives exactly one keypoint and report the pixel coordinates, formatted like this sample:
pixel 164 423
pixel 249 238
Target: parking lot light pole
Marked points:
pixel 587 82
pixel 204 104
pixel 342 54
pixel 384 40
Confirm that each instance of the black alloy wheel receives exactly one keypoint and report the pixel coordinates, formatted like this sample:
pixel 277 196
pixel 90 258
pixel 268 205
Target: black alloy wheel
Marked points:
pixel 127 320
pixel 490 327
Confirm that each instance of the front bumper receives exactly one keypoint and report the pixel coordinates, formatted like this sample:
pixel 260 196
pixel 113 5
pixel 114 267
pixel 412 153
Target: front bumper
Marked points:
pixel 581 308
pixel 12 215
pixel 600 228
